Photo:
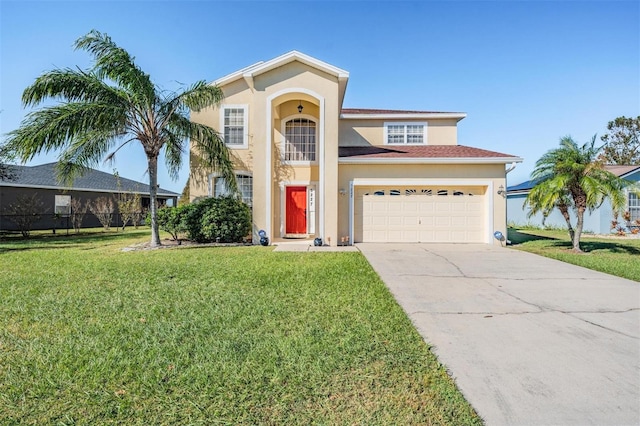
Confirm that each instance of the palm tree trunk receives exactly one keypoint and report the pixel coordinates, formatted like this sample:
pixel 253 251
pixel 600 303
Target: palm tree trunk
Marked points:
pixel 565 213
pixel 576 238
pixel 153 196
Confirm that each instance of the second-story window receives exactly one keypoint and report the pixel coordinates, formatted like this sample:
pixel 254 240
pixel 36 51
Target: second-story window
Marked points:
pixel 405 133
pixel 300 140
pixel 234 122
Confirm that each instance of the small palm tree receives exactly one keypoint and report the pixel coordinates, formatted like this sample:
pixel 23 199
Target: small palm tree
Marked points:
pixel 572 178
pixel 107 107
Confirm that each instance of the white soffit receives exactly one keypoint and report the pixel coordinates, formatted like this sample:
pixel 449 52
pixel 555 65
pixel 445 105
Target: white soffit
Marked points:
pixel 258 68
pixel 390 116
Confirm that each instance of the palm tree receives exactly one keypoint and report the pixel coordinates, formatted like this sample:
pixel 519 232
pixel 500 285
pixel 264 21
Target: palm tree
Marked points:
pixel 572 178
pixel 110 105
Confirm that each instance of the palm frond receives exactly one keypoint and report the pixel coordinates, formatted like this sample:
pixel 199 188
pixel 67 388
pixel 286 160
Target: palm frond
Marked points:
pixel 72 86
pixel 209 145
pixel 201 95
pixel 56 127
pixel 115 63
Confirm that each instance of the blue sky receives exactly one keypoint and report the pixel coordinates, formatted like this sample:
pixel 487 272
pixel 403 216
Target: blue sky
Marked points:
pixel 525 72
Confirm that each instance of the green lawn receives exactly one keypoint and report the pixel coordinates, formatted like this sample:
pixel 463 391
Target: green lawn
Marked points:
pixel 616 256
pixel 208 335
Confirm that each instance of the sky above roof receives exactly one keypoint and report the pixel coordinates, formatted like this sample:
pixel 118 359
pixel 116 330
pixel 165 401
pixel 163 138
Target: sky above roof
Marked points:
pixel 526 72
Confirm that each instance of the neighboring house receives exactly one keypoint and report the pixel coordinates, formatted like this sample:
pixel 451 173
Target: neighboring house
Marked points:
pixel 598 221
pixel 42 181
pixel 311 168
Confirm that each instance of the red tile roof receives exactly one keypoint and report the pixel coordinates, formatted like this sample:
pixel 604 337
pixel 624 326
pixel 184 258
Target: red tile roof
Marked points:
pixel 422 151
pixel 385 111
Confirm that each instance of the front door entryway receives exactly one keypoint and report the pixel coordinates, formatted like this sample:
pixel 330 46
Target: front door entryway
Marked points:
pixel 296 210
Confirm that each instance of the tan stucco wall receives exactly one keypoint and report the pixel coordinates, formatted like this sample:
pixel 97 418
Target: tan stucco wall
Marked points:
pixel 294 76
pixel 492 173
pixel 371 132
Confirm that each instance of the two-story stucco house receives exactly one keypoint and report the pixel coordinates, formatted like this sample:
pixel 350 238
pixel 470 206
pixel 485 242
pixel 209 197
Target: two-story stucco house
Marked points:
pixel 311 168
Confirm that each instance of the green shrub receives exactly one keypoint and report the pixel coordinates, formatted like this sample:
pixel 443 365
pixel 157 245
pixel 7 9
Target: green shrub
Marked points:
pixel 225 220
pixel 170 219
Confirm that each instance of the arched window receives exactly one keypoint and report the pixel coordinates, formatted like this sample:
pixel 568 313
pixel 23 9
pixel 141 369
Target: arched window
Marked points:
pixel 300 140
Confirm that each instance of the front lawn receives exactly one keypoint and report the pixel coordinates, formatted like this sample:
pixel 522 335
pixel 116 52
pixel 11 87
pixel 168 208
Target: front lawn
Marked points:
pixel 240 335
pixel 613 255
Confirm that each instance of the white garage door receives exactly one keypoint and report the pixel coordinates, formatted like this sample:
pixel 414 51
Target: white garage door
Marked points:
pixel 444 214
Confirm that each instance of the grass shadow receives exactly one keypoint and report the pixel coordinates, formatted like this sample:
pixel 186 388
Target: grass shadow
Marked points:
pixel 613 247
pixel 518 236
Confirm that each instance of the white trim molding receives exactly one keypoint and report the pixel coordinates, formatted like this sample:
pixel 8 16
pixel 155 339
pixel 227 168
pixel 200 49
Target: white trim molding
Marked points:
pixel 405 135
pixel 488 237
pixel 268 157
pixel 250 72
pixel 245 124
pixel 423 160
pixel 404 116
pixel 283 148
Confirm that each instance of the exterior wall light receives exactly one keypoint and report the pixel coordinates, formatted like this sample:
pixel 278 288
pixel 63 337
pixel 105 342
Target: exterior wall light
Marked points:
pixel 300 107
pixel 501 190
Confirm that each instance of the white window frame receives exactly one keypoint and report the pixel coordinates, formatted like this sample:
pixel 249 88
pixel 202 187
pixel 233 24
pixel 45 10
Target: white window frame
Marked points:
pixel 405 134
pixel 214 176
pixel 283 145
pixel 634 210
pixel 245 124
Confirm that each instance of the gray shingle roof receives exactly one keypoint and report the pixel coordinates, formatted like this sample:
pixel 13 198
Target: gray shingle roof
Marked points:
pixel 44 176
pixel 618 170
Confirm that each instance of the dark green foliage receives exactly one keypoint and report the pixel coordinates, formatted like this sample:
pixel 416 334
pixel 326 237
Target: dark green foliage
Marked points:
pixel 111 104
pixel 170 219
pixel 225 220
pixel 622 141
pixel 571 177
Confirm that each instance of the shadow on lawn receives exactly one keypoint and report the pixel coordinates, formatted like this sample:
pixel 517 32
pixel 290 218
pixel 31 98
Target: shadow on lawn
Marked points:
pixel 519 237
pixel 17 243
pixel 587 246
pixel 612 247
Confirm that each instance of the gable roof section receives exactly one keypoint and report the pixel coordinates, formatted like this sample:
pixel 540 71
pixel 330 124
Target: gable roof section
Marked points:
pixel 252 71
pixel 44 176
pixel 394 114
pixel 621 171
pixel 261 67
pixel 424 154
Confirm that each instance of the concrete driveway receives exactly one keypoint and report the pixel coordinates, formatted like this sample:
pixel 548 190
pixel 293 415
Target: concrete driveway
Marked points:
pixel 529 340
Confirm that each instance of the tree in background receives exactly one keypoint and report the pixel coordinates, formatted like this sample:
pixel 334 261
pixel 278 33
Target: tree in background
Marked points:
pixel 573 177
pixel 129 204
pixel 25 211
pixel 103 208
pixel 110 105
pixel 6 173
pixel 186 193
pixel 622 143
pixel 78 211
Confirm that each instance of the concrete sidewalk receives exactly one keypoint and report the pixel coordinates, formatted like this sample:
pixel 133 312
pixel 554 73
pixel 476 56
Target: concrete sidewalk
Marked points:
pixel 529 340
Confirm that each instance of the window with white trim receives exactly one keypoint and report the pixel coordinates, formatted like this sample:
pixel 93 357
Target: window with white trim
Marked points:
pixel 234 125
pixel 405 133
pixel 300 140
pixel 245 187
pixel 634 206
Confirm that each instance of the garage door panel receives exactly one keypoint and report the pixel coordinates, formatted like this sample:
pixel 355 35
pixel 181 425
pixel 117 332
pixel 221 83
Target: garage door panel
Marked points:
pixel 418 214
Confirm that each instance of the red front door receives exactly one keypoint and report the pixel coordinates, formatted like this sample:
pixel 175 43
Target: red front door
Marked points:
pixel 296 199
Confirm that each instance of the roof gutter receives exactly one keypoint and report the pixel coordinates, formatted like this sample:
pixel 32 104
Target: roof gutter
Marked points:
pixel 442 160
